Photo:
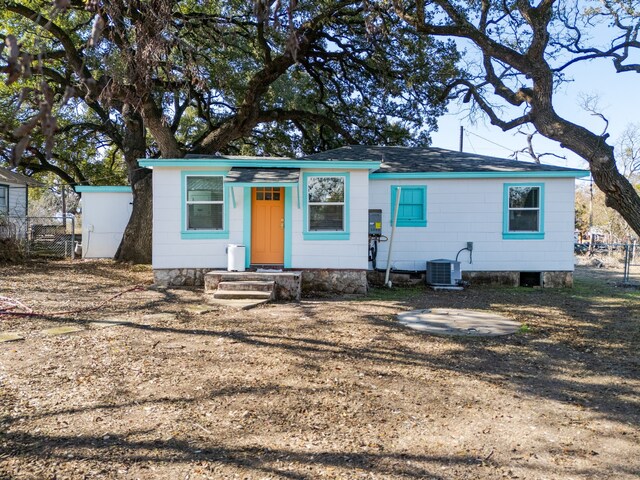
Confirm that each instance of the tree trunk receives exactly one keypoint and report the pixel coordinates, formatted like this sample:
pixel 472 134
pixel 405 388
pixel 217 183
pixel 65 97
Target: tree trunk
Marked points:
pixel 619 193
pixel 136 242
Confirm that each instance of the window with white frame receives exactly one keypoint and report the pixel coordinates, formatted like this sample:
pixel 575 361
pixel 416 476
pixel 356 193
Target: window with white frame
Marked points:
pixel 326 204
pixel 205 202
pixel 524 207
pixel 4 200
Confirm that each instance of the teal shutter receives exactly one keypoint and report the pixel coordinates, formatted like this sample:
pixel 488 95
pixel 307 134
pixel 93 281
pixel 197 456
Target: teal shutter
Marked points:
pixel 412 211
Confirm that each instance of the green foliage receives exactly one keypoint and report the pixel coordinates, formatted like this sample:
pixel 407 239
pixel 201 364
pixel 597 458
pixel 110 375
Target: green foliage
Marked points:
pixel 359 77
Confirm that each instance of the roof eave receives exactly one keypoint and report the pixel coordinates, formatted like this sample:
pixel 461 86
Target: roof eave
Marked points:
pixel 481 174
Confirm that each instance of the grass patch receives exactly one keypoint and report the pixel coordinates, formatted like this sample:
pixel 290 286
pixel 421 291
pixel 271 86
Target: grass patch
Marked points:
pixel 394 293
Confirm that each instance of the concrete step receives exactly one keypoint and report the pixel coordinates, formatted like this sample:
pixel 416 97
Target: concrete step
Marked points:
pixel 254 285
pixel 242 294
pixel 234 304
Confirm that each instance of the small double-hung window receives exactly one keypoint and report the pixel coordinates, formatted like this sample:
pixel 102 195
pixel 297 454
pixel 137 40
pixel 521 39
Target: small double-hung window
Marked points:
pixel 326 206
pixel 4 200
pixel 205 203
pixel 523 215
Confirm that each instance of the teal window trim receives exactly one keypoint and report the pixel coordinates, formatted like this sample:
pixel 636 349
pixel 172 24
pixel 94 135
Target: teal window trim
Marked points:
pixel 534 235
pixel 103 188
pixel 186 234
pixel 259 162
pixel 530 174
pixel 246 226
pixel 325 235
pixel 409 222
pixel 288 227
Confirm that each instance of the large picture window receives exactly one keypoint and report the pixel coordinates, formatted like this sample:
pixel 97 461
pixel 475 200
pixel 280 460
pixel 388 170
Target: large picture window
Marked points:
pixel 326 204
pixel 205 202
pixel 523 211
pixel 4 200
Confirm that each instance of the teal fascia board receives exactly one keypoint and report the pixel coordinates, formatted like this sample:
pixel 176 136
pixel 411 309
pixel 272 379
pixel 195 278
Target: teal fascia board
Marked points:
pixel 325 235
pixel 449 175
pixel 103 189
pixel 202 234
pixel 254 162
pixel 506 234
pixel 288 227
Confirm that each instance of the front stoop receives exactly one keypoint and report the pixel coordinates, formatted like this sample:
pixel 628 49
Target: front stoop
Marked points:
pixel 252 286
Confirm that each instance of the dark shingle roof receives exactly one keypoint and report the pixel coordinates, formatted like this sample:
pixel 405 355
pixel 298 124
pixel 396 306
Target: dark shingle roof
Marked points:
pixel 7 175
pixel 257 175
pixel 430 159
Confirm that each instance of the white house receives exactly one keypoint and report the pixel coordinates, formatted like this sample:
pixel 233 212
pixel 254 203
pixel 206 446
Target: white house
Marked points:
pixel 14 202
pixel 312 214
pixel 105 214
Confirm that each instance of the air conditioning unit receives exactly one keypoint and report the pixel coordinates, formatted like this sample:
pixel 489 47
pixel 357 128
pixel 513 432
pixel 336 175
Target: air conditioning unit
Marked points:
pixel 443 272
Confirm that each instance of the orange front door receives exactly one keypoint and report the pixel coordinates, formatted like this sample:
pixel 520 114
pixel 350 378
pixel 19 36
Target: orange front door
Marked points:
pixel 267 226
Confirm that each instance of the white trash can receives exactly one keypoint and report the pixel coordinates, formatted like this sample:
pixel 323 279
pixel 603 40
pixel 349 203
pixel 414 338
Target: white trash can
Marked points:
pixel 235 258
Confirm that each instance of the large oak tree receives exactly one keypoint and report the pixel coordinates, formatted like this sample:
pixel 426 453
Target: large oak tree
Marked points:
pixel 520 51
pixel 169 78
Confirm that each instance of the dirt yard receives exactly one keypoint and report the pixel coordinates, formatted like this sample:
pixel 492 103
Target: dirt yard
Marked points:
pixel 320 389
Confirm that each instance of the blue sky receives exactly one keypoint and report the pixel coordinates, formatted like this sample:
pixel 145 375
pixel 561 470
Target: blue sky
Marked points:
pixel 619 101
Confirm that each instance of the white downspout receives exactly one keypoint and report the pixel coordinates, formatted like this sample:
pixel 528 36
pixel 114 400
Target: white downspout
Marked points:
pixel 394 220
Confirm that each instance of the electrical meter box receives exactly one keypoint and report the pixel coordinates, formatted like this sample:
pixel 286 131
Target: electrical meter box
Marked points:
pixel 375 222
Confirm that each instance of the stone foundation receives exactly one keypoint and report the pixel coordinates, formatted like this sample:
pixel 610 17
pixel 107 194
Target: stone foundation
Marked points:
pixel 508 279
pixel 180 277
pixel 376 278
pixel 557 279
pixel 334 281
pixel 512 279
pixel 356 281
pixel 313 281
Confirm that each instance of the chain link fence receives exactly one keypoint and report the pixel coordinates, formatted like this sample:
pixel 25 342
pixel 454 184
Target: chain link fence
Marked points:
pixel 48 237
pixel 623 258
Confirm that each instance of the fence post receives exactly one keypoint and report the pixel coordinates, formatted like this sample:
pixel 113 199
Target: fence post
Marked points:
pixel 627 260
pixel 73 237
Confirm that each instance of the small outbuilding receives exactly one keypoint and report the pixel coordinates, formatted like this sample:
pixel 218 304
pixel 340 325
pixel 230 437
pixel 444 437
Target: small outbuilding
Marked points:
pixel 330 216
pixel 105 213
pixel 14 202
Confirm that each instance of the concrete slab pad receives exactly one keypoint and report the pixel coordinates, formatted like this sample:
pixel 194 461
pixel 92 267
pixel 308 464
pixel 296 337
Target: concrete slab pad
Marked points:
pixel 451 321
pixel 52 332
pixel 10 337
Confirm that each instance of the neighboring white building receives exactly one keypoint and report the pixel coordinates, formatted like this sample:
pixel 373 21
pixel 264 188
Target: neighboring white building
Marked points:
pixel 105 214
pixel 14 199
pixel 14 203
pixel 312 214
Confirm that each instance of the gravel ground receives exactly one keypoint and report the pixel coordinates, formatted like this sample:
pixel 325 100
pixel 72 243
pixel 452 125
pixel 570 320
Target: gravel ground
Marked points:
pixel 327 388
